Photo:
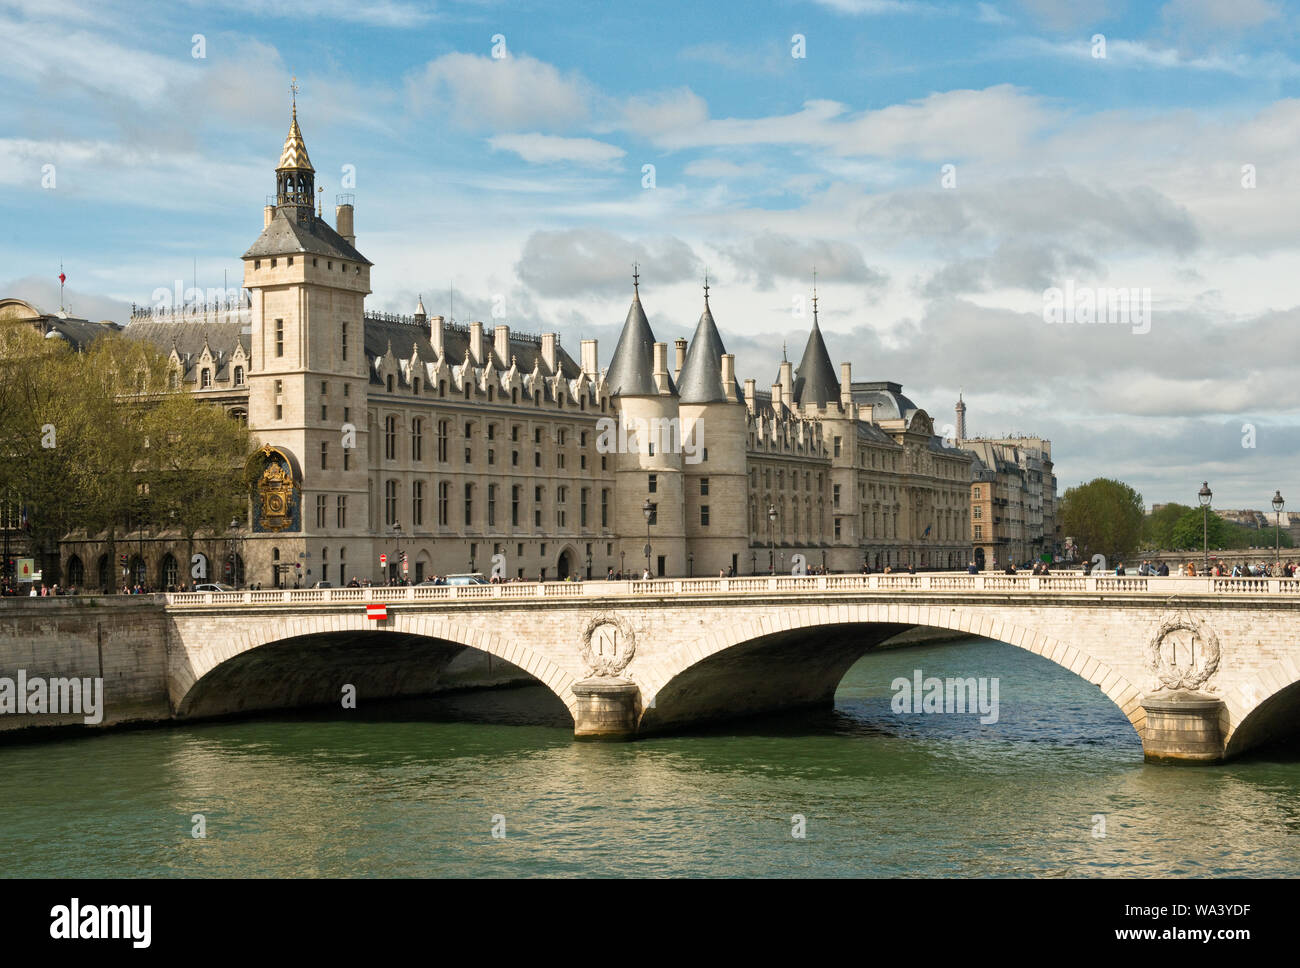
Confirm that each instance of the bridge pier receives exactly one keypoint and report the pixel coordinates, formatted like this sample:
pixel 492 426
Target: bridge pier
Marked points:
pixel 607 709
pixel 1182 727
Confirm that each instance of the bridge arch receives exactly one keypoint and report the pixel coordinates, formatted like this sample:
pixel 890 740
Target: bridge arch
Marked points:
pixel 1262 709
pixel 195 664
pixel 845 639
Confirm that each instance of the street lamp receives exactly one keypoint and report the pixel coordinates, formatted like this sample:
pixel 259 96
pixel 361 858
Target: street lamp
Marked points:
pixel 588 566
pixel 1278 504
pixel 395 565
pixel 771 545
pixel 1204 495
pixel 648 510
pixel 690 564
pixel 233 545
pixel 622 562
pixel 753 562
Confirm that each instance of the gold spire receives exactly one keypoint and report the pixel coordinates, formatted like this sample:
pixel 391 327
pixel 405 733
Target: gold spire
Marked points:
pixel 294 154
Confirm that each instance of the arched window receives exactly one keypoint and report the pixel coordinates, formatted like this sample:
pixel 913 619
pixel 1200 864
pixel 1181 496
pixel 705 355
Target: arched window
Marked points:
pixel 205 378
pixel 76 572
pixel 514 394
pixel 415 386
pixel 239 376
pixel 105 574
pixel 170 572
pixel 390 383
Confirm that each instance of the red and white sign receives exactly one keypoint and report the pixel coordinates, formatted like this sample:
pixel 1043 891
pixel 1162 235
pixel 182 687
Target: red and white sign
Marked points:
pixel 383 560
pixel 377 612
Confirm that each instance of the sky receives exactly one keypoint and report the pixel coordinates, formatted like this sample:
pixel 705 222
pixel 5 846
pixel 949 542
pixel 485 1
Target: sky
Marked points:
pixel 967 179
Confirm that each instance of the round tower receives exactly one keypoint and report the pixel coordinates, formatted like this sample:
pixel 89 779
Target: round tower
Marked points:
pixel 714 431
pixel 643 437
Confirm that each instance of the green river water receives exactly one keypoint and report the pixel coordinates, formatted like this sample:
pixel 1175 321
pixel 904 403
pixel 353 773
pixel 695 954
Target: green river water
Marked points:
pixel 414 788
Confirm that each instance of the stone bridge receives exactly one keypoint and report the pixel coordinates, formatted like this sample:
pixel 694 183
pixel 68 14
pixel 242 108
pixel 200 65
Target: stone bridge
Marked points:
pixel 1203 668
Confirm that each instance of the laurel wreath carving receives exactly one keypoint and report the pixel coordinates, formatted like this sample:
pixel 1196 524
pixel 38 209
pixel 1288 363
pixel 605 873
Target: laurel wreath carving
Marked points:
pixel 608 666
pixel 1192 675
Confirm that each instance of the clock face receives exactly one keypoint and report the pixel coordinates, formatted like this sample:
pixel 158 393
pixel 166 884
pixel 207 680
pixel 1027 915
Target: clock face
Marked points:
pixel 275 503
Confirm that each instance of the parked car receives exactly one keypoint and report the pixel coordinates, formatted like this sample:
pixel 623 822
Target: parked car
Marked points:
pixel 324 584
pixel 475 579
pixel 213 587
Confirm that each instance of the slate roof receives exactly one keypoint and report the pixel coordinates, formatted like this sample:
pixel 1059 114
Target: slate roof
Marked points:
pixel 631 370
pixel 294 154
pixel 285 236
pixel 886 398
pixel 814 381
pixel 188 338
pixel 380 334
pixel 701 378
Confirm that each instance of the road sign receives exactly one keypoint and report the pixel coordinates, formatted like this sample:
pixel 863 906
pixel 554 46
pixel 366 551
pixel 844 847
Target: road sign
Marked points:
pixel 377 612
pixel 26 567
pixel 383 560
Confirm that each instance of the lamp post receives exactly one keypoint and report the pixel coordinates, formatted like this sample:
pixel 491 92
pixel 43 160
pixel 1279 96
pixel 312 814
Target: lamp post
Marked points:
pixel 771 545
pixel 753 562
pixel 232 544
pixel 1278 504
pixel 648 510
pixel 690 564
pixel 1204 495
pixel 588 566
pixel 622 562
pixel 395 565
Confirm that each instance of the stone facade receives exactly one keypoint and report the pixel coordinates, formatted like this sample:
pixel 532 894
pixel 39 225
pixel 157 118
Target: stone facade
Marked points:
pixel 461 448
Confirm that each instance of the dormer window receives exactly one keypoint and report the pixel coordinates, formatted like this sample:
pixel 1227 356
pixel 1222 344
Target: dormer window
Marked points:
pixel 205 378
pixel 239 376
pixel 390 383
pixel 290 260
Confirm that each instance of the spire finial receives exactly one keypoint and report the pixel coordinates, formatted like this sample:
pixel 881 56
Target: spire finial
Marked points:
pixel 636 276
pixel 706 287
pixel 293 91
pixel 814 295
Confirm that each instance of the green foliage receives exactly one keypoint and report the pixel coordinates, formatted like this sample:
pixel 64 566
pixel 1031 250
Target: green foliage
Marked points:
pixel 1103 516
pixel 1158 526
pixel 96 440
pixel 1187 534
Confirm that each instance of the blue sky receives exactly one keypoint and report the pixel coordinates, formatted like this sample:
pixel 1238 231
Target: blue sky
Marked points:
pixel 519 180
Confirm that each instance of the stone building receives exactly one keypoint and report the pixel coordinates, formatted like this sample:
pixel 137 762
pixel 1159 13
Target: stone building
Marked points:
pixel 451 447
pixel 1012 497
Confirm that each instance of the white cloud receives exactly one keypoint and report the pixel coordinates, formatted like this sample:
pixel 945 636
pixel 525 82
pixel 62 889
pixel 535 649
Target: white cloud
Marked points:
pixel 549 149
pixel 502 94
pixel 994 122
pixel 721 168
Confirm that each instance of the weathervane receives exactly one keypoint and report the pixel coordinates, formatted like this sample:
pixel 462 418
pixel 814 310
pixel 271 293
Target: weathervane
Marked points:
pixel 814 293
pixel 706 286
pixel 636 276
pixel 293 91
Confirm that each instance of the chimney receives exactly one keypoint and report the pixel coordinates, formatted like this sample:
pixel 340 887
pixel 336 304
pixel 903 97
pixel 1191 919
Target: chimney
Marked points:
pixel 778 400
pixel 680 345
pixel 549 341
pixel 435 334
pixel 729 375
pixel 787 384
pixel 661 367
pixel 750 384
pixel 476 342
pixel 501 344
pixel 846 385
pixel 590 359
pixel 268 213
pixel 343 219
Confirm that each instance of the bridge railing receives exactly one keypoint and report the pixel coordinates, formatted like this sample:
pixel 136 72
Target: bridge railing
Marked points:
pixel 795 585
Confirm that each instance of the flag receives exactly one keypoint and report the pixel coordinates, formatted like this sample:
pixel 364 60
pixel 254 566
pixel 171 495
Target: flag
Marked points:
pixel 378 612
pixel 62 278
pixel 927 532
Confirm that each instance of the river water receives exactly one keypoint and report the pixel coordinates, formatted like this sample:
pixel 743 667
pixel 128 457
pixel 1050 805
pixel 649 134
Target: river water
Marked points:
pixel 415 789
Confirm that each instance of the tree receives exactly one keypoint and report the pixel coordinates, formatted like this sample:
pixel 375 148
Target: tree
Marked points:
pixel 1158 526
pixel 92 440
pixel 1104 517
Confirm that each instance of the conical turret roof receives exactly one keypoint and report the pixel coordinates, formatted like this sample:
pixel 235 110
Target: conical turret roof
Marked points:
pixel 814 382
pixel 631 371
pixel 701 378
pixel 294 154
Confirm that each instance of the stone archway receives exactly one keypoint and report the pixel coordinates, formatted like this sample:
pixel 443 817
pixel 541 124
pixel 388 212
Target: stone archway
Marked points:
pixel 565 565
pixel 773 651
